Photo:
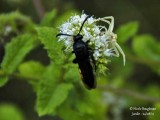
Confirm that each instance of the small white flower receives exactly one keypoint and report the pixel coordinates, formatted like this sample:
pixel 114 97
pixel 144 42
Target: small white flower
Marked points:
pixel 8 29
pixel 90 20
pixel 102 39
pixel 96 54
pixel 97 30
pixel 98 43
pixel 83 16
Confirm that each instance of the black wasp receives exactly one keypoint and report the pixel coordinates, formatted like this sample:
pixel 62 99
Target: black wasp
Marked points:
pixel 84 58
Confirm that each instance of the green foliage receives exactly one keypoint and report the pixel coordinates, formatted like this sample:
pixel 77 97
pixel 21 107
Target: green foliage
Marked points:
pixel 56 93
pixel 148 48
pixel 16 51
pixel 64 17
pixel 3 80
pixel 49 17
pixel 86 105
pixel 156 112
pixel 57 85
pixel 127 31
pixel 47 103
pixel 153 90
pixel 10 112
pixel 48 38
pixel 32 69
pixel 33 72
pixel 14 23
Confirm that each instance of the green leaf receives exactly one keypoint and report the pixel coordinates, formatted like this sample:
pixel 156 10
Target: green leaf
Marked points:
pixel 120 71
pixel 32 69
pixel 49 17
pixel 14 23
pixel 83 105
pixel 71 114
pixel 79 106
pixel 52 92
pixel 3 80
pixel 15 51
pixel 51 98
pixel 72 73
pixel 10 112
pixel 155 113
pixel 148 49
pixel 85 108
pixel 153 90
pixel 146 46
pixel 48 38
pixel 127 31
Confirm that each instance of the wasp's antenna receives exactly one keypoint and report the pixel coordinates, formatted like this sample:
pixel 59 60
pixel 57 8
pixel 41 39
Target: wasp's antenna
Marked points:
pixel 63 34
pixel 83 23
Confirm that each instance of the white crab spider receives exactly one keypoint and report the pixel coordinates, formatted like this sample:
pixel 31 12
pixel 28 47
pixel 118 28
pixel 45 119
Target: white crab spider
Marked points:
pixel 113 37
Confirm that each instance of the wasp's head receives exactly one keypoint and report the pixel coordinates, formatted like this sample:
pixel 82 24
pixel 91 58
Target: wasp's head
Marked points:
pixel 78 37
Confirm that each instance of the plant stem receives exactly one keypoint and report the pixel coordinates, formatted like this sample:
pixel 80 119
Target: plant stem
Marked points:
pixel 1 73
pixel 63 70
pixel 119 91
pixel 142 61
pixel 39 8
pixel 130 93
pixel 19 76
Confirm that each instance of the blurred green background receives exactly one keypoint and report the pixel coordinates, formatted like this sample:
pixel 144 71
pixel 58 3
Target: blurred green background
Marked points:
pixel 135 85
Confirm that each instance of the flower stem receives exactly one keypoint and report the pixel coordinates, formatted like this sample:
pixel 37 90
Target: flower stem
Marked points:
pixel 39 8
pixel 19 76
pixel 141 60
pixel 130 93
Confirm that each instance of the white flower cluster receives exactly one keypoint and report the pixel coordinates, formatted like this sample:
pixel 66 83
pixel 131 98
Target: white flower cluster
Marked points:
pixel 102 39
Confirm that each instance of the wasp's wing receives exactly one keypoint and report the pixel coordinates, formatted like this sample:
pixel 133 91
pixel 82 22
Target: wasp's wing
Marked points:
pixel 87 74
